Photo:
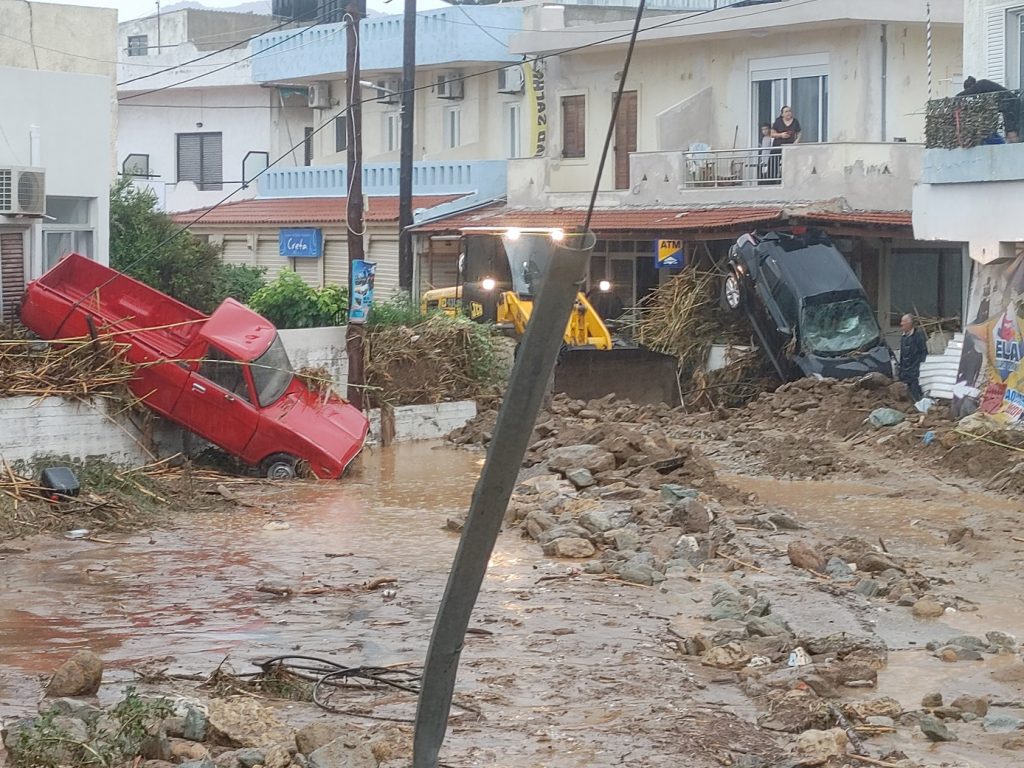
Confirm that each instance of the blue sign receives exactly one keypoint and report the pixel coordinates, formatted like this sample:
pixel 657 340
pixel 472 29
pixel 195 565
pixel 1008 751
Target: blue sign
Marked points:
pixel 301 243
pixel 668 253
pixel 361 296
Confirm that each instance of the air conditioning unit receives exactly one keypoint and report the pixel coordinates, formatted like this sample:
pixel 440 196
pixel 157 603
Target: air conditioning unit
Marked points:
pixel 449 85
pixel 388 90
pixel 22 191
pixel 511 80
pixel 318 96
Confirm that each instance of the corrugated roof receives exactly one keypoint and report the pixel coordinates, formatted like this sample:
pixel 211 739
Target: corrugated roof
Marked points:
pixel 302 210
pixel 615 220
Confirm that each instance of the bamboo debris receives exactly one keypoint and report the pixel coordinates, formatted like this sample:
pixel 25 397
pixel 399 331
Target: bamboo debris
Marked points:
pixel 682 318
pixel 70 368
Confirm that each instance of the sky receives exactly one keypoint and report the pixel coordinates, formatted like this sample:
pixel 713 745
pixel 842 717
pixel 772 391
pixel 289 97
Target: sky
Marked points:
pixel 132 9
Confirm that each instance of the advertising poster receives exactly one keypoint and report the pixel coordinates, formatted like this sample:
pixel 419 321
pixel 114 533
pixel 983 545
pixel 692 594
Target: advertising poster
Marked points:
pixel 362 291
pixel 534 75
pixel 668 254
pixel 990 378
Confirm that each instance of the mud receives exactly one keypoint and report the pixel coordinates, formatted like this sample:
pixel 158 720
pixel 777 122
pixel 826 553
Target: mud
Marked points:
pixel 565 668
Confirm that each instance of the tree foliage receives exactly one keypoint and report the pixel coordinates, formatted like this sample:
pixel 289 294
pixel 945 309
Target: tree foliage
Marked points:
pixel 288 302
pixel 147 245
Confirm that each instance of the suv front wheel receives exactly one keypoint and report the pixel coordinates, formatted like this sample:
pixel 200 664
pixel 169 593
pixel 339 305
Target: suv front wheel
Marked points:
pixel 732 291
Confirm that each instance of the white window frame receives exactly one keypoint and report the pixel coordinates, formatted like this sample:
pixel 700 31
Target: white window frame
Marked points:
pixel 452 127
pixel 787 68
pixel 513 129
pixel 82 235
pixel 1013 76
pixel 134 48
pixel 392 123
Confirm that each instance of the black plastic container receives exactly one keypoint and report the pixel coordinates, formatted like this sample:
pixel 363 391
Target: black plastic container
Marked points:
pixel 59 483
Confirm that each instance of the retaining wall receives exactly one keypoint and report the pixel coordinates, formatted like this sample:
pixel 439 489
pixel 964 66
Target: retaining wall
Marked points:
pixel 316 347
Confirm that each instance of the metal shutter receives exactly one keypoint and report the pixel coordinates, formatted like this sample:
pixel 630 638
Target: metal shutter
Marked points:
pixel 189 153
pixel 384 251
pixel 336 260
pixel 236 250
pixel 213 170
pixel 310 270
pixel 268 255
pixel 12 273
pixel 995 44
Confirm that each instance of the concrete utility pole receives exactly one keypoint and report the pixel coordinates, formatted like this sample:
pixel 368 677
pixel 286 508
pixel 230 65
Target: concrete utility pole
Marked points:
pixel 408 114
pixel 356 333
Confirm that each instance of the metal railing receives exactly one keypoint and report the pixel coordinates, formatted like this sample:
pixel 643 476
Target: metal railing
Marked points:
pixel 960 122
pixel 751 167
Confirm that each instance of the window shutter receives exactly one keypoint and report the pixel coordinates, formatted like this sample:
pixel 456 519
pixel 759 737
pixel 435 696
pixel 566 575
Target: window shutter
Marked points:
pixel 189 166
pixel 574 126
pixel 995 44
pixel 213 170
pixel 340 134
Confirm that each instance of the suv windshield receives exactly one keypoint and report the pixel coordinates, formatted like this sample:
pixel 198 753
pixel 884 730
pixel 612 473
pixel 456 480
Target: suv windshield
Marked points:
pixel 836 327
pixel 271 373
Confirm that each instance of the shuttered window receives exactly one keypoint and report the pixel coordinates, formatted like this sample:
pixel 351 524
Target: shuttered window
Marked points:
pixel 995 44
pixel 200 160
pixel 340 134
pixel 574 126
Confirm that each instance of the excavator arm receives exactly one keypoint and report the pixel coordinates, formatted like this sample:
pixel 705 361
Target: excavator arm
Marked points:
pixel 585 330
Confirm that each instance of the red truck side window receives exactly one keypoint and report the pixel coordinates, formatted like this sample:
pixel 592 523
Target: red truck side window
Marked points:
pixel 226 372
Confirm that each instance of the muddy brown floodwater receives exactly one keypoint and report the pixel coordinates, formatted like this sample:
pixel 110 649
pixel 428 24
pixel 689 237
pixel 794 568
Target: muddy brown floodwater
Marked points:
pixel 565 670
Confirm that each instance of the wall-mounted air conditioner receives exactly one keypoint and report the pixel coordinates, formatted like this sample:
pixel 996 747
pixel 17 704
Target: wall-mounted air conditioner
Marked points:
pixel 22 191
pixel 511 80
pixel 449 85
pixel 319 95
pixel 387 90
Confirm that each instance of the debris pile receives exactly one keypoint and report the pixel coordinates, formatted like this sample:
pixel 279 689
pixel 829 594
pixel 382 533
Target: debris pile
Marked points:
pixel 70 368
pixel 440 359
pixel 682 318
pixel 236 732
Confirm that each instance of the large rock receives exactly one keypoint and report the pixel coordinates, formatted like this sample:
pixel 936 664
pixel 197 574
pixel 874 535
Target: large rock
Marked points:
pixel 563 531
pixel 928 608
pixel 976 705
pixel 343 753
pixel 539 521
pixel 589 457
pixel 569 546
pixel 246 723
pixel 311 737
pixel 80 675
pixel 935 730
pixel 608 516
pixel 728 656
pixel 802 555
pixel 581 478
pixel 816 747
pixel 691 516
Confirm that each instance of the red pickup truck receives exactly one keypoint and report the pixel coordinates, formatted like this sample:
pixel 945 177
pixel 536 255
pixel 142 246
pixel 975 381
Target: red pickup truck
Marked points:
pixel 225 377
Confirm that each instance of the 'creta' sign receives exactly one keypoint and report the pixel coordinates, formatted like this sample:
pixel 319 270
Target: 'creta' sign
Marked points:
pixel 301 243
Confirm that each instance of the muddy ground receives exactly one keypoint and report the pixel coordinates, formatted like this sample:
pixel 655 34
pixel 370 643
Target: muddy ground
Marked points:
pixel 579 662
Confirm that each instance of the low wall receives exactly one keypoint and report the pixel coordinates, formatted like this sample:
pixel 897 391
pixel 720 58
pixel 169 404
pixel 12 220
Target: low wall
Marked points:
pixel 80 429
pixel 424 422
pixel 319 347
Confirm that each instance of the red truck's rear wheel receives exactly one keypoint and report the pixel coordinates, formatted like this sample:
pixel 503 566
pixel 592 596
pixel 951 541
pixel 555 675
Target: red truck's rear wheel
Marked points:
pixel 280 466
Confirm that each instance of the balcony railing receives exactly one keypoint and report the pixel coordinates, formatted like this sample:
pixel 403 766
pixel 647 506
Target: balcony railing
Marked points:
pixel 733 167
pixel 961 122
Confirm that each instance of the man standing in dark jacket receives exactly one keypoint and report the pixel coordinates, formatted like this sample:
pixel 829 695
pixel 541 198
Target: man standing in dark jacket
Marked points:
pixel 913 351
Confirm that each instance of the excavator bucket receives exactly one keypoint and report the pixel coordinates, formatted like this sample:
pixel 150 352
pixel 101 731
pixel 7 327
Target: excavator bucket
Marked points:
pixel 631 373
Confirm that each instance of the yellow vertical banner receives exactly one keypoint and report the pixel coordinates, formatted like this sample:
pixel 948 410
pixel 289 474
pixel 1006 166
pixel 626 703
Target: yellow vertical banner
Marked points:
pixel 533 74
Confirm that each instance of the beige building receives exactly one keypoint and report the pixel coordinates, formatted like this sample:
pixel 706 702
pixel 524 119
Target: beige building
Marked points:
pixel 57 67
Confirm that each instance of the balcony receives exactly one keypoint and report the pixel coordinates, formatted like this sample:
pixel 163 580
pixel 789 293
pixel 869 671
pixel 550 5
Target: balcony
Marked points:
pixel 966 139
pixel 867 175
pixel 443 37
pixel 473 181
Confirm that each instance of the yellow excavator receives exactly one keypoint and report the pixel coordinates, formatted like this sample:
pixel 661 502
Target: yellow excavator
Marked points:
pixel 498 275
pixel 491 290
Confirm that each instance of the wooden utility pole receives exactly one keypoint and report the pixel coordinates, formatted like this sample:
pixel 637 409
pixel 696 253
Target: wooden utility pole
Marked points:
pixel 408 114
pixel 356 333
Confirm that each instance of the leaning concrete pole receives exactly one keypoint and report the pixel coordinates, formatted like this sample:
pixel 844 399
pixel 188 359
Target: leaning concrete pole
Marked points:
pixel 527 386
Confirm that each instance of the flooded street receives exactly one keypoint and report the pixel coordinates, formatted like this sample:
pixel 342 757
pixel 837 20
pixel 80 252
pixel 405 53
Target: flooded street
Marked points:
pixel 563 669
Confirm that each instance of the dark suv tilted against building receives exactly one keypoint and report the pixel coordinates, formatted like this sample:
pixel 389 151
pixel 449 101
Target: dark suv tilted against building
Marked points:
pixel 806 305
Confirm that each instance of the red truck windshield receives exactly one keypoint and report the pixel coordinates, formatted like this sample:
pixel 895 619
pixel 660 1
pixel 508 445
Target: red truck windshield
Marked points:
pixel 271 373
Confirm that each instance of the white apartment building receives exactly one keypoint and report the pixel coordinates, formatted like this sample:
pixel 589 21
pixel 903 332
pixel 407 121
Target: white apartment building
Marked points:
pixel 57 65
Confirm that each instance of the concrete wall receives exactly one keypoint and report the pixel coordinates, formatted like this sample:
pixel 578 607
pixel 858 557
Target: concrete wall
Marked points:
pixel 425 422
pixel 986 215
pixel 54 426
pixel 319 347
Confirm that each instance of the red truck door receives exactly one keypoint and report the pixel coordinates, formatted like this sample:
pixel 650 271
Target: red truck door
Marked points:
pixel 217 403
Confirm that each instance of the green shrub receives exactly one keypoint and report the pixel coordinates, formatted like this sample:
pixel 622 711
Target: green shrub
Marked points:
pixel 288 302
pixel 400 310
pixel 240 281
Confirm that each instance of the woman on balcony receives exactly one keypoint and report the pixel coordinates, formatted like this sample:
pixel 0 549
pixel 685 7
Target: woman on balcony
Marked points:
pixel 785 130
